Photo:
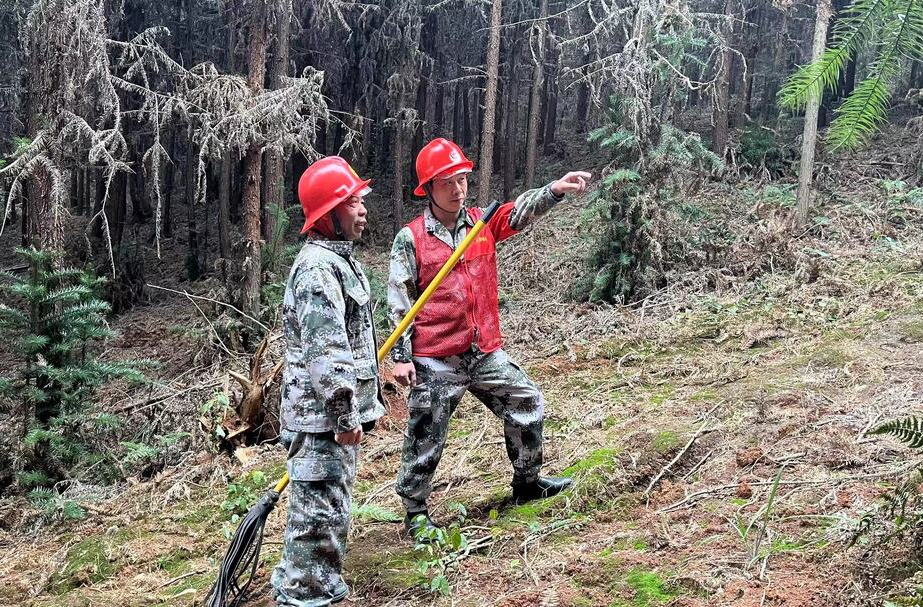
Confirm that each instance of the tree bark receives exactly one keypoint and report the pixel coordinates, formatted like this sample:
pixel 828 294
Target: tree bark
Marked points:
pixel 166 216
pixel 722 100
pixel 551 106
pixel 275 163
pixel 490 104
pixel 252 249
pixel 193 254
pixel 535 96
pixel 510 147
pixel 224 207
pixel 809 141
pixel 397 196
pixel 779 67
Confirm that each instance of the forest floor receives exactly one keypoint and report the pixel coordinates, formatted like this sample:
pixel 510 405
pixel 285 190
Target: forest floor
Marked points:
pixel 713 388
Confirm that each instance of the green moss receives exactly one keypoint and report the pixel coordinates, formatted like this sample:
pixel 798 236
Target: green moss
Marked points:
pixel 202 516
pixel 525 513
pixel 666 441
pixel 176 562
pixel 274 471
pixel 459 432
pixel 649 587
pixel 649 590
pixel 640 545
pixel 662 396
pixel 87 563
pixel 601 459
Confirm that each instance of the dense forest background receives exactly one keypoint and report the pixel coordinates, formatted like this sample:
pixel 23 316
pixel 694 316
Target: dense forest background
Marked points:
pixel 722 324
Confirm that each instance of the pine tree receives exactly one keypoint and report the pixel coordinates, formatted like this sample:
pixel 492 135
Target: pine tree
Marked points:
pixel 55 319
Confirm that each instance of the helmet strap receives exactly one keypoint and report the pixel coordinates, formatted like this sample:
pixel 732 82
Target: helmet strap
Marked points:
pixel 428 188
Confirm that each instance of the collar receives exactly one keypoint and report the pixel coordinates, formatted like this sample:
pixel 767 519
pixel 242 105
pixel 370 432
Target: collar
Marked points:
pixel 343 248
pixel 432 224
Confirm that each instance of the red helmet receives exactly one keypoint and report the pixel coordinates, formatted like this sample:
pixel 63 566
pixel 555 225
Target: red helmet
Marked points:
pixel 440 158
pixel 324 185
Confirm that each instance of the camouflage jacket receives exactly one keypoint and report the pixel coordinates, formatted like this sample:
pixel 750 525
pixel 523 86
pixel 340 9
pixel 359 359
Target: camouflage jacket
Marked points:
pixel 402 279
pixel 330 380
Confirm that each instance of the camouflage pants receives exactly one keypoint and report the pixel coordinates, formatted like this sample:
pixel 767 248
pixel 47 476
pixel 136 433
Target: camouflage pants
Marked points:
pixel 322 474
pixel 497 382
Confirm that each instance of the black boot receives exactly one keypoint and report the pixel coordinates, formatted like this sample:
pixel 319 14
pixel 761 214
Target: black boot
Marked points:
pixel 539 489
pixel 419 524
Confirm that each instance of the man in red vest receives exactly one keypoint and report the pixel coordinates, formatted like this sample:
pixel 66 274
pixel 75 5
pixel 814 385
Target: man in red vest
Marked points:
pixel 455 343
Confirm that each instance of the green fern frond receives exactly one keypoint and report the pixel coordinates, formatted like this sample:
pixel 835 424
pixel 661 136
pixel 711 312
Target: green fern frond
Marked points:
pixel 812 79
pixel 908 430
pixel 138 452
pixel 33 344
pixel 72 293
pixel 73 511
pixel 33 478
pixel 374 513
pixel 42 497
pixel 33 293
pixel 106 421
pixel 861 115
pixel 13 319
pixel 853 31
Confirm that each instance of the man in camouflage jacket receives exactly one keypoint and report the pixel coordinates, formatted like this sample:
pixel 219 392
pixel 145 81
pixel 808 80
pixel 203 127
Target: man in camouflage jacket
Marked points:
pixel 330 393
pixel 455 344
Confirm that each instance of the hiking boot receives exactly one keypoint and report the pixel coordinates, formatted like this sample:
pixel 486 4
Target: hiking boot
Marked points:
pixel 419 526
pixel 340 592
pixel 540 489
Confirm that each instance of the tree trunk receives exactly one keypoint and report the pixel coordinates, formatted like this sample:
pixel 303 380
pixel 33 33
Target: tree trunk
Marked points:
pixel 850 82
pixel 510 147
pixel 722 100
pixel 275 163
pixel 809 141
pixel 252 250
pixel 457 116
pixel 551 106
pixel 224 207
pixel 166 216
pixel 466 116
pixel 490 104
pixel 397 197
pixel 193 254
pixel 778 68
pixel 535 97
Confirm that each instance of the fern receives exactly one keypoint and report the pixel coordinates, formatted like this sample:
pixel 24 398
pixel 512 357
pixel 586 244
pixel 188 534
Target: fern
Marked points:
pixel 139 452
pixel 908 430
pixel 893 30
pixel 373 513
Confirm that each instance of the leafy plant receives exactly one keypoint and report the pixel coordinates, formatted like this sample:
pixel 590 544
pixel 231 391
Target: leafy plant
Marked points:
pixel 901 509
pixel 624 215
pixel 374 513
pixel 243 493
pixel 888 30
pixel 443 547
pixel 759 147
pixel 147 458
pixel 54 317
pixel 54 507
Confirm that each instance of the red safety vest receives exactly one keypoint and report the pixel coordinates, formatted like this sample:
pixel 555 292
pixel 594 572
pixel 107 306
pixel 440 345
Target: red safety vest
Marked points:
pixel 464 310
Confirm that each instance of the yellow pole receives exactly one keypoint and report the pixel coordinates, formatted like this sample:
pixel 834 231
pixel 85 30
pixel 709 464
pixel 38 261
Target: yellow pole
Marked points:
pixel 433 285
